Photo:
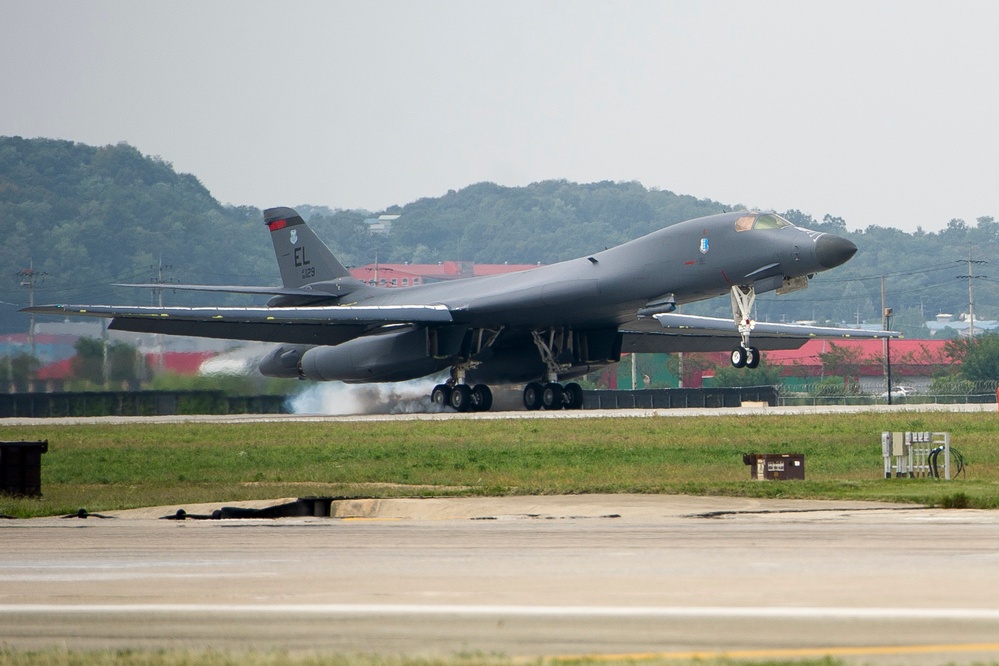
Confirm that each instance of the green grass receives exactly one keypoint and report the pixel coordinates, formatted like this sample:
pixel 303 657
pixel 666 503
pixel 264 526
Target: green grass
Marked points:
pixel 106 467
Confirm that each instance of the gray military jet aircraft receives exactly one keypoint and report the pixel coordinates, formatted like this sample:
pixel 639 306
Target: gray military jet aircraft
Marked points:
pixel 538 326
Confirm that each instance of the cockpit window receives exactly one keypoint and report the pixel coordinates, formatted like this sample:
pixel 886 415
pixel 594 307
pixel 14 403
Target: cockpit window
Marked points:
pixel 761 221
pixel 770 221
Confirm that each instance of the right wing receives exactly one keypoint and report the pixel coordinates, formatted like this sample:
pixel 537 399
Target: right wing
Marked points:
pixel 313 325
pixel 671 332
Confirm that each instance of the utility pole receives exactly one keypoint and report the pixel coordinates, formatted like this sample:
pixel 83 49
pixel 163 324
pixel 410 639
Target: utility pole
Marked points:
pixel 886 312
pixel 27 278
pixel 158 291
pixel 970 277
pixel 679 357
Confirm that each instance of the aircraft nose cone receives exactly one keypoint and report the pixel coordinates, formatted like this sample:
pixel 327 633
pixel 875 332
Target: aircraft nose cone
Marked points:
pixel 831 251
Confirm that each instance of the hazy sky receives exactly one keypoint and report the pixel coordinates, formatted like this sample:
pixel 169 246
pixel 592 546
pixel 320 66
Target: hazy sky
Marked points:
pixel 882 113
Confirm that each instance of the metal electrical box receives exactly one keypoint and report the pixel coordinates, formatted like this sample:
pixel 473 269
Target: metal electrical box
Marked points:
pixel 21 467
pixel 775 466
pixel 916 454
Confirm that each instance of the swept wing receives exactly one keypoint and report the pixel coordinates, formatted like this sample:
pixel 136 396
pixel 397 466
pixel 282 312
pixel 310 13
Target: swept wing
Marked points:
pixel 299 325
pixel 672 332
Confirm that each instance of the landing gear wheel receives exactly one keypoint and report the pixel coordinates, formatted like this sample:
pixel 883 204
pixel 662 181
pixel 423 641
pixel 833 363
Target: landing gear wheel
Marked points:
pixel 552 396
pixel 482 398
pixel 739 357
pixel 753 358
pixel 532 396
pixel 441 395
pixel 461 398
pixel 573 396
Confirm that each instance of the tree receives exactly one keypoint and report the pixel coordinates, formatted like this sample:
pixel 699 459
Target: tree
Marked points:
pixel 694 364
pixel 842 362
pixel 20 370
pixel 979 358
pixel 124 363
pixel 88 364
pixel 764 375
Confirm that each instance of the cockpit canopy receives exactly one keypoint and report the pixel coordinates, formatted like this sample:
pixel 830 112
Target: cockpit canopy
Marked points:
pixel 761 221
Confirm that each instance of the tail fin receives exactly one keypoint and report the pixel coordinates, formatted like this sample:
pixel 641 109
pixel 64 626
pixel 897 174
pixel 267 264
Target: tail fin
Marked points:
pixel 302 257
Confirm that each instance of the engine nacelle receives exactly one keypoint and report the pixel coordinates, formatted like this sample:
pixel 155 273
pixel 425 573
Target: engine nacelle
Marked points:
pixel 283 361
pixel 388 357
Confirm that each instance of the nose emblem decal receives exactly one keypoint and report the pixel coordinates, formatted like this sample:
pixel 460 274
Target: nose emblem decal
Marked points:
pixel 704 246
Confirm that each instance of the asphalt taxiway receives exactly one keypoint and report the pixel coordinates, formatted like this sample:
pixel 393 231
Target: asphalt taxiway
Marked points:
pixel 521 576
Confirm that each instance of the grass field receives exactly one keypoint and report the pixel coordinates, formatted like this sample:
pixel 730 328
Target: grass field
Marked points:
pixel 106 467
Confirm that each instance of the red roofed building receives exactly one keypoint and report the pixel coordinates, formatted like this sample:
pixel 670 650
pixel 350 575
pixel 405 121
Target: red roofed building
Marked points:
pixel 908 357
pixel 914 362
pixel 55 375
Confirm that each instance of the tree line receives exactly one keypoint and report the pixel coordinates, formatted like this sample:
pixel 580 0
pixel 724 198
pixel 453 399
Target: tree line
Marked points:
pixel 86 217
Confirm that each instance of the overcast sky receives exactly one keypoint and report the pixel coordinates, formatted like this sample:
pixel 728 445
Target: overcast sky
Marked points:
pixel 883 113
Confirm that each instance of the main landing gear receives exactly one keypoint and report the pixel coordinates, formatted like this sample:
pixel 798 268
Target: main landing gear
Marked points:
pixel 556 352
pixel 745 355
pixel 462 397
pixel 553 395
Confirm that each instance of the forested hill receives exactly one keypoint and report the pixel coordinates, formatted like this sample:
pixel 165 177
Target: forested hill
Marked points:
pixel 87 217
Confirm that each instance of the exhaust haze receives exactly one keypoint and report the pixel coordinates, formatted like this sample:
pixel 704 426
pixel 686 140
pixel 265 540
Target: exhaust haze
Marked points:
pixel 340 399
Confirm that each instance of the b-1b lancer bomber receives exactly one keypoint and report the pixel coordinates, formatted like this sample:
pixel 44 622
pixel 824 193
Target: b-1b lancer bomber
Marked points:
pixel 539 327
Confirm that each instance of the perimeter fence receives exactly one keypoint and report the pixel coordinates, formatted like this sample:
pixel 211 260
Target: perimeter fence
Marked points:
pixel 949 391
pixel 136 403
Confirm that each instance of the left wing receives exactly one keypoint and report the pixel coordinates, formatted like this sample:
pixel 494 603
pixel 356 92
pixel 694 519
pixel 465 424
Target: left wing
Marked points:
pixel 229 289
pixel 671 332
pixel 299 325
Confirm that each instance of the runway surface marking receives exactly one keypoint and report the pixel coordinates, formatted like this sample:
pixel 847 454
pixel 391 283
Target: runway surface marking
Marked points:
pixel 781 612
pixel 785 653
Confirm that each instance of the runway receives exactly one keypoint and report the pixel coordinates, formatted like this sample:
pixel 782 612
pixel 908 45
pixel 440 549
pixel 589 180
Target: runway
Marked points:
pixel 524 576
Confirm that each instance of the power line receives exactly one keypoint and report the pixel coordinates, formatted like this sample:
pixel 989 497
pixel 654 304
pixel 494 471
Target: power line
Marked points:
pixel 970 277
pixel 26 279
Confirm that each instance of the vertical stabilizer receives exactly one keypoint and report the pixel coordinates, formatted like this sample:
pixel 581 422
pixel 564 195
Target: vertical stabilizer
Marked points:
pixel 302 257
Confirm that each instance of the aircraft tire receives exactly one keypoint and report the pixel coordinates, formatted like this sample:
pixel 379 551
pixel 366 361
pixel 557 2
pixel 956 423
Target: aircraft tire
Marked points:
pixel 739 357
pixel 573 396
pixel 482 398
pixel 753 358
pixel 552 396
pixel 532 396
pixel 461 398
pixel 441 395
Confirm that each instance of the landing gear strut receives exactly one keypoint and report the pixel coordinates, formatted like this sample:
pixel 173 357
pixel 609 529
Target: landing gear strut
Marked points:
pixel 743 298
pixel 458 395
pixel 556 352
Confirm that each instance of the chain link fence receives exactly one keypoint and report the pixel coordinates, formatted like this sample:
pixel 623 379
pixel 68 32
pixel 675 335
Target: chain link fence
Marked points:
pixel 941 391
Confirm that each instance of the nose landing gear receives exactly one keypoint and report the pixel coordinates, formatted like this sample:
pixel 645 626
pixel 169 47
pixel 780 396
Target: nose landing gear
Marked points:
pixel 743 298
